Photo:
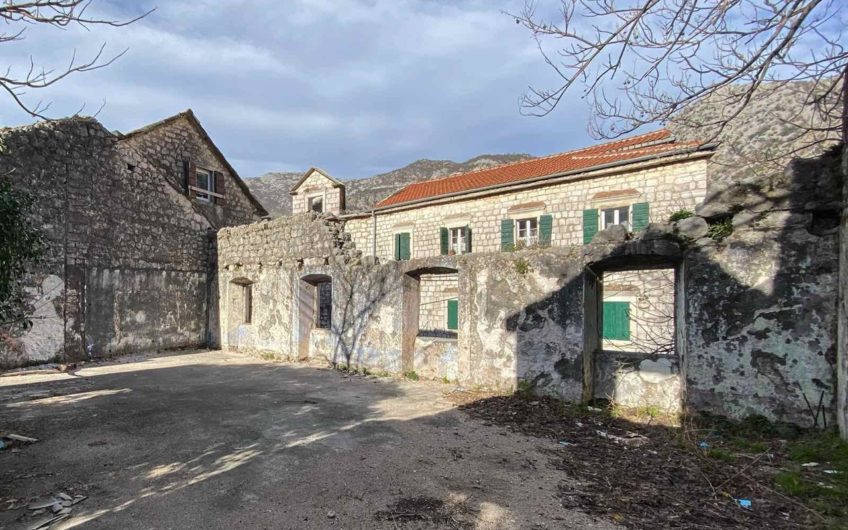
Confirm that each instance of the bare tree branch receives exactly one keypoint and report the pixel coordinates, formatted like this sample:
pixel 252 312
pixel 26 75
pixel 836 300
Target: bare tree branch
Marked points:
pixel 59 14
pixel 645 61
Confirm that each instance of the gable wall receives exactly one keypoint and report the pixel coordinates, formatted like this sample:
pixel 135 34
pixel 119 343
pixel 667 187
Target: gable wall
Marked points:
pixel 317 184
pixel 168 146
pixel 128 256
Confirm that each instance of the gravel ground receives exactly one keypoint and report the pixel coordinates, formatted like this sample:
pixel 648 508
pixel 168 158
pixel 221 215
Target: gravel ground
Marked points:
pixel 221 440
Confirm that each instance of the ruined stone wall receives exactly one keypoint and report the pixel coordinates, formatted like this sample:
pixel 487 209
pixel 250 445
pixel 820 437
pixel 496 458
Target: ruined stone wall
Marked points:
pixel 273 256
pixel 170 145
pixel 667 188
pixel 842 315
pixel 127 257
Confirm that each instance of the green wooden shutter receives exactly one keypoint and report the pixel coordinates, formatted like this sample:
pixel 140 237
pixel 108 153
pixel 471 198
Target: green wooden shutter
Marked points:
pixel 405 251
pixel 444 240
pixel 640 216
pixel 453 314
pixel 617 320
pixel 397 247
pixel 468 239
pixel 590 225
pixel 546 227
pixel 507 234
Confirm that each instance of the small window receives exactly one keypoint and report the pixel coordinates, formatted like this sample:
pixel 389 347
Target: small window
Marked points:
pixel 457 240
pixel 453 314
pixel 316 204
pixel 247 292
pixel 403 246
pixel 324 315
pixel 527 231
pixel 616 320
pixel 205 185
pixel 615 216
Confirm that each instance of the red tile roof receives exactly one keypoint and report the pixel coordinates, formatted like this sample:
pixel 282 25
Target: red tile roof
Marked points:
pixel 651 144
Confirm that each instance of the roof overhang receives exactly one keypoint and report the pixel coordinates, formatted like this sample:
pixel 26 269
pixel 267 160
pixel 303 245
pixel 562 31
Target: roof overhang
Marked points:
pixel 681 155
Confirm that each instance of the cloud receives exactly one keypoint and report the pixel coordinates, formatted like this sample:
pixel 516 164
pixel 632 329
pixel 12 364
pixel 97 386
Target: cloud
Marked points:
pixel 355 86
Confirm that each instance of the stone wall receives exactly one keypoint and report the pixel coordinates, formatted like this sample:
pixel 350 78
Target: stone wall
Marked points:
pixel 317 185
pixel 170 144
pixel 665 186
pixel 128 254
pixel 842 315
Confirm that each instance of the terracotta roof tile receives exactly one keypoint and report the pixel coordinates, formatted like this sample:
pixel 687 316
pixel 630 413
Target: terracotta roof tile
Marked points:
pixel 654 143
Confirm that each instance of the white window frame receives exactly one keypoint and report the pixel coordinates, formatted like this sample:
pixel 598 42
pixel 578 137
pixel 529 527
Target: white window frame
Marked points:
pixel 616 216
pixel 460 246
pixel 528 239
pixel 200 194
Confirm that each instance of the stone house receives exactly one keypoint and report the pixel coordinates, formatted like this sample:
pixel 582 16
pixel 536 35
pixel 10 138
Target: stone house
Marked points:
pixel 130 222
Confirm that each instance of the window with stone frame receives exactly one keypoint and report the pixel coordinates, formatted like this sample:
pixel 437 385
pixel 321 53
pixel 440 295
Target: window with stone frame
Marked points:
pixel 527 231
pixel 324 312
pixel 615 216
pixel 205 185
pixel 316 204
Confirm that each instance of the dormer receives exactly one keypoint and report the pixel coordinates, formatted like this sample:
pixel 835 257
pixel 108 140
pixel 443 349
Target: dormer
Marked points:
pixel 318 192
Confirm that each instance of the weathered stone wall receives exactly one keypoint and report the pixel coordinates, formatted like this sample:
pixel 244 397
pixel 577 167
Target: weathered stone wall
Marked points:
pixel 317 185
pixel 666 187
pixel 168 146
pixel 842 316
pixel 128 254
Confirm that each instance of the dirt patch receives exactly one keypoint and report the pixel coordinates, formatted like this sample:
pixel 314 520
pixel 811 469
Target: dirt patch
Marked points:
pixel 426 511
pixel 651 476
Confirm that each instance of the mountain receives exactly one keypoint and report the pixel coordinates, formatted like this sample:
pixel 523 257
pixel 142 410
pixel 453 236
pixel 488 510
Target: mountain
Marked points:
pixel 272 189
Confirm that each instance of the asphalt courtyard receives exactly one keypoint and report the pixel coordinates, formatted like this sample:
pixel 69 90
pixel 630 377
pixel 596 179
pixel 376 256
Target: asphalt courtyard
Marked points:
pixel 223 440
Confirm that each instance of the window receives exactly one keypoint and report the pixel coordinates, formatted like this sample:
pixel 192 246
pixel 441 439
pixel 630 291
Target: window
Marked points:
pixel 403 246
pixel 205 185
pixel 453 314
pixel 527 231
pixel 316 204
pixel 324 315
pixel 616 321
pixel 247 295
pixel 615 216
pixel 457 240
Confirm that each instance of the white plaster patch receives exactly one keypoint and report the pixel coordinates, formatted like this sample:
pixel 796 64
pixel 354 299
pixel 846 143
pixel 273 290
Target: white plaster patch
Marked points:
pixel 46 337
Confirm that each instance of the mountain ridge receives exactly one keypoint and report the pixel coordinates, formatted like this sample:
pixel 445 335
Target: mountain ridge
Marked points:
pixel 272 188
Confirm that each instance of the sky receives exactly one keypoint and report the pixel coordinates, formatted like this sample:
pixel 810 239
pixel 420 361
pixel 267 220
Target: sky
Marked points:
pixel 356 87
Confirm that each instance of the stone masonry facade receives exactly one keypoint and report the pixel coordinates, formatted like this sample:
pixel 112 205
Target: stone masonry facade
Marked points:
pixel 127 266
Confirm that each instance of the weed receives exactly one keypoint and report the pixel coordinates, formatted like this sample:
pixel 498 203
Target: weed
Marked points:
pixel 522 266
pixel 679 215
pixel 446 380
pixel 268 356
pixel 524 389
pixel 719 230
pixel 412 375
pixel 717 453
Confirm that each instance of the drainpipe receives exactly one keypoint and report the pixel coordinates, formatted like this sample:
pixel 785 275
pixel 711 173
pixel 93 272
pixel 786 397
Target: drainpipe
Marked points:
pixel 374 233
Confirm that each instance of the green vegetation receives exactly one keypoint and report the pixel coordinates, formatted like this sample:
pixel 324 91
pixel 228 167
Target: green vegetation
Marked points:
pixel 720 229
pixel 21 245
pixel 412 375
pixel 524 388
pixel 823 486
pixel 446 380
pixel 679 215
pixel 721 454
pixel 522 266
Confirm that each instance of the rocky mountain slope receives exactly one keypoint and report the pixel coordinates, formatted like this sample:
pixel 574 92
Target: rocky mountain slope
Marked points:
pixel 272 189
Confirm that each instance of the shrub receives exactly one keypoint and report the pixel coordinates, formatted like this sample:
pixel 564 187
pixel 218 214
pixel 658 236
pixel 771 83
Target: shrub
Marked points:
pixel 680 215
pixel 720 229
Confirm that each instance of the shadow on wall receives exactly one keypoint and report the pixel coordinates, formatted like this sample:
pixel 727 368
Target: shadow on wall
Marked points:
pixel 757 302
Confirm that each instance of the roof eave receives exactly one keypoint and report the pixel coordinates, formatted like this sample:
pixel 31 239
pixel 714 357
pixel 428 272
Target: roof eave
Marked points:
pixel 706 149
